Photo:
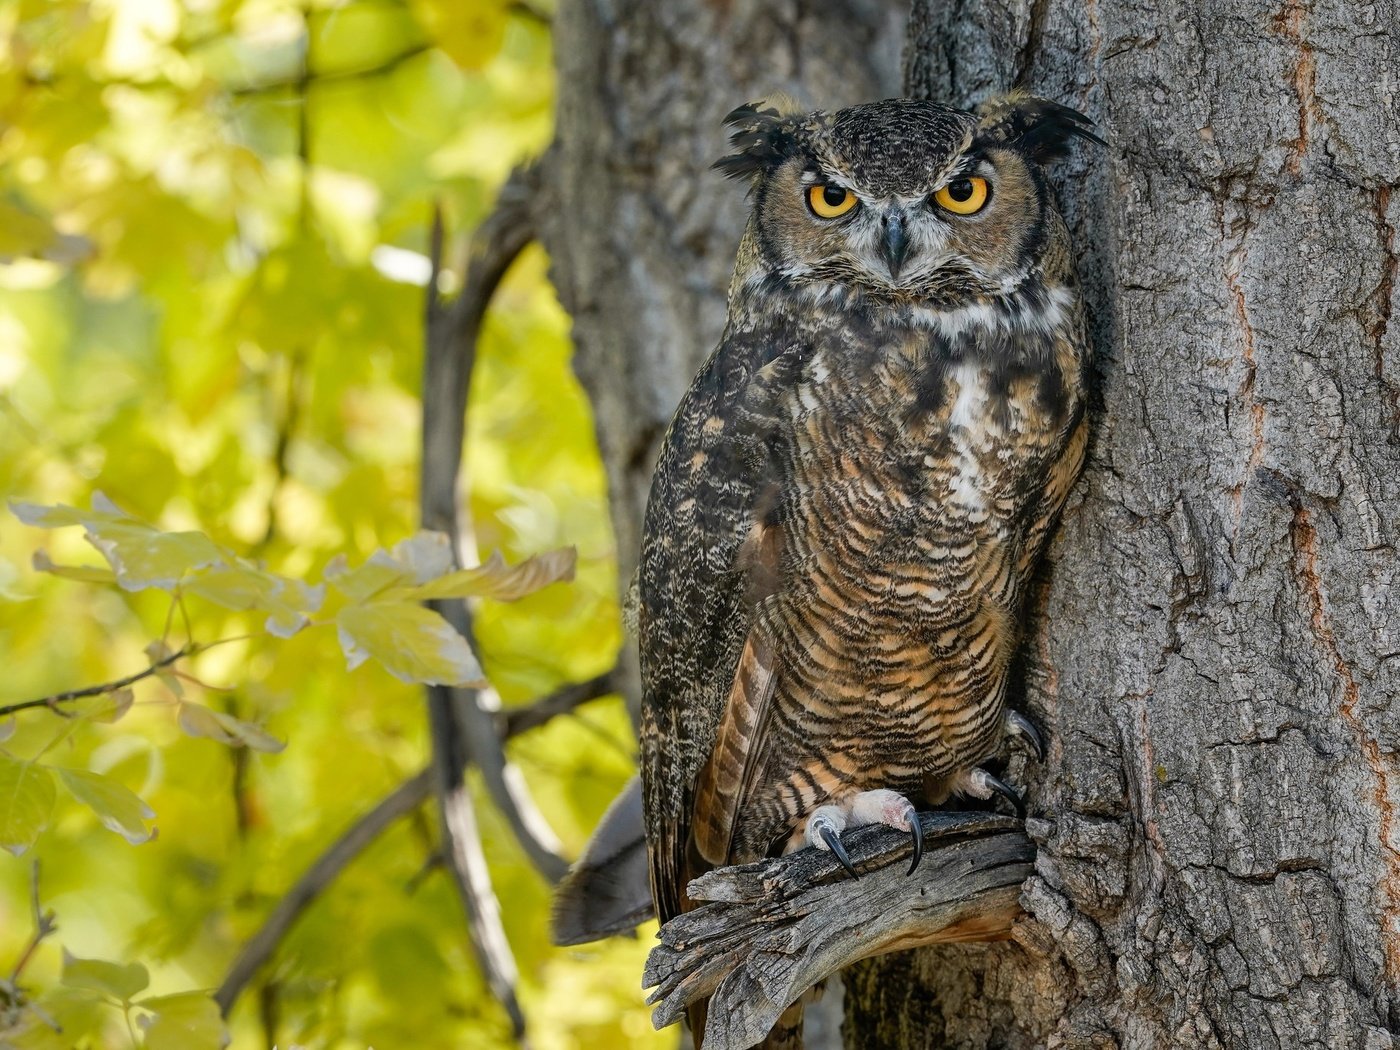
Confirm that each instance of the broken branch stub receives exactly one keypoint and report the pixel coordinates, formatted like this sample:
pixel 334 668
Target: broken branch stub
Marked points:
pixel 770 930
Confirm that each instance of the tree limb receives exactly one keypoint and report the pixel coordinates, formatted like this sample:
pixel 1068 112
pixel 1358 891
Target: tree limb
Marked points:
pixel 451 353
pixel 773 929
pixel 400 802
pixel 562 701
pixel 97 690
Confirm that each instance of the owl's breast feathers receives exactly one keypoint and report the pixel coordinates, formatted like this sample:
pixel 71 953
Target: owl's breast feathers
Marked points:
pixel 845 512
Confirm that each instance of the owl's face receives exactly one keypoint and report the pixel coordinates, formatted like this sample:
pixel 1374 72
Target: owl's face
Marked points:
pixel 903 200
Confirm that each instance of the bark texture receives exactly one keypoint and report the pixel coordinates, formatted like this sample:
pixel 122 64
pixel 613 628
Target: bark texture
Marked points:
pixel 1216 648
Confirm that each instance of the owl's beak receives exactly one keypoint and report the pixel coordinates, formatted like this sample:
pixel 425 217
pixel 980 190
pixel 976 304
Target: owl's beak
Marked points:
pixel 895 245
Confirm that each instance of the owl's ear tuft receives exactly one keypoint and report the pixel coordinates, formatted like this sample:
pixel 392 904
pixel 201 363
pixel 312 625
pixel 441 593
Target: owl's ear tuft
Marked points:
pixel 1040 129
pixel 761 138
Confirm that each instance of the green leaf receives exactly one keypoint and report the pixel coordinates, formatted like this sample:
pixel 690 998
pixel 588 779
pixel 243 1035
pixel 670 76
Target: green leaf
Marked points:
pixel 112 707
pixel 413 644
pixel 141 556
pixel 188 1021
pixel 422 557
pixel 495 579
pixel 121 981
pixel 26 801
pixel 7 728
pixel 116 807
pixel 84 573
pixel 200 721
pixel 237 584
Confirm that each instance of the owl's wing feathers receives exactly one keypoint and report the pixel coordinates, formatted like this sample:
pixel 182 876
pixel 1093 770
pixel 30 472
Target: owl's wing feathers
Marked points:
pixel 707 561
pixel 738 751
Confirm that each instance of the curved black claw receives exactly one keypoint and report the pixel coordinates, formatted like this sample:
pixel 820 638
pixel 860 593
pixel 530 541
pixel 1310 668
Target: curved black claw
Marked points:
pixel 1019 725
pixel 917 830
pixel 833 842
pixel 1005 791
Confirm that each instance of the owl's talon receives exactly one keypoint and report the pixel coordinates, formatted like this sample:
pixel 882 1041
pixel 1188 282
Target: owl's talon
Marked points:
pixel 917 830
pixel 1024 730
pixel 832 838
pixel 990 785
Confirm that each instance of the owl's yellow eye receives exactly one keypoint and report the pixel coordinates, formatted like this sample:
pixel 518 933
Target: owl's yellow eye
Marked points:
pixel 830 202
pixel 966 196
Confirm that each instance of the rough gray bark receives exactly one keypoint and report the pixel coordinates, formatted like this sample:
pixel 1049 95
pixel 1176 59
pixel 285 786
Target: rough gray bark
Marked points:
pixel 1215 650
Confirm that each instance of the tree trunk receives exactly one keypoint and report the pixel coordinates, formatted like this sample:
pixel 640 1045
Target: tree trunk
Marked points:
pixel 641 231
pixel 1214 652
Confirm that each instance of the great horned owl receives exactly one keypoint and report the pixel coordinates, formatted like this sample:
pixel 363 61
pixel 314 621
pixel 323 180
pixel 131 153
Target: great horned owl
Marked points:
pixel 855 489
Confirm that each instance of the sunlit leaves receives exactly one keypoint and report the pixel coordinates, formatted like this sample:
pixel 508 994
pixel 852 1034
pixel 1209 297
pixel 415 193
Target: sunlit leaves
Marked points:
pixel 495 579
pixel 209 343
pixel 413 643
pixel 26 800
pixel 237 584
pixel 116 807
pixel 140 555
pixel 470 33
pixel 189 1021
pixel 201 721
pixel 122 982
pixel 28 792
pixel 416 644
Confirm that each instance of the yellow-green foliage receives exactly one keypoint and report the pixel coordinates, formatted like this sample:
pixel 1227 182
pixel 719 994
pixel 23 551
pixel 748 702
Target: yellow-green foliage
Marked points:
pixel 213 222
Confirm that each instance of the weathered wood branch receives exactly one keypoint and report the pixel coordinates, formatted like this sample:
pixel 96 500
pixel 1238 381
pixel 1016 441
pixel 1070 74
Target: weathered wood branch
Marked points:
pixel 773 929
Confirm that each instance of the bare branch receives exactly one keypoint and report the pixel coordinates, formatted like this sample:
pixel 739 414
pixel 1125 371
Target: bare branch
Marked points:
pixel 52 701
pixel 463 731
pixel 301 81
pixel 772 930
pixel 562 701
pixel 403 800
pixel 466 862
pixel 44 925
pixel 451 353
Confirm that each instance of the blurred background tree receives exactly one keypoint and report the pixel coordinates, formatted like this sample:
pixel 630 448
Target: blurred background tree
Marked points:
pixel 215 226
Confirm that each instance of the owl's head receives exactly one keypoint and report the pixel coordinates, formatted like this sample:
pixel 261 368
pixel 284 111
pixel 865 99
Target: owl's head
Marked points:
pixel 903 200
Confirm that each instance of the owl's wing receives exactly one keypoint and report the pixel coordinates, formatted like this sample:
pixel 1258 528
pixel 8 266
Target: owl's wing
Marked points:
pixel 700 655
pixel 1053 494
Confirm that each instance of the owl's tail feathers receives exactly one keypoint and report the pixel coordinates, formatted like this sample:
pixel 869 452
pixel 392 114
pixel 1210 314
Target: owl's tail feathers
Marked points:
pixel 607 891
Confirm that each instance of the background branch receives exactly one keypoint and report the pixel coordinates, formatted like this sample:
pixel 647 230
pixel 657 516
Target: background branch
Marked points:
pixel 98 690
pixel 401 802
pixel 451 353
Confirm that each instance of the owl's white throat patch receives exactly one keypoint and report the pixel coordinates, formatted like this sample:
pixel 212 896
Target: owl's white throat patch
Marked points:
pixel 1027 317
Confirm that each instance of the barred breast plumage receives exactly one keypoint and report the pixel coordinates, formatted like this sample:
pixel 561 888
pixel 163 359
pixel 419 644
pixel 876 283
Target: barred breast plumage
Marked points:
pixel 855 489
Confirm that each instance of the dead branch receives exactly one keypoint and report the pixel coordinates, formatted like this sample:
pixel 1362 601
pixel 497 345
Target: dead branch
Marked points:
pixel 773 929
pixel 462 728
pixel 402 801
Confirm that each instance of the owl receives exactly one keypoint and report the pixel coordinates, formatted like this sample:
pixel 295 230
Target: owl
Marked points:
pixel 853 493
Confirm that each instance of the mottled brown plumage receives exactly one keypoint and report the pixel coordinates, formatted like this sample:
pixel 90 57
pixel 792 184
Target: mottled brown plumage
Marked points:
pixel 856 487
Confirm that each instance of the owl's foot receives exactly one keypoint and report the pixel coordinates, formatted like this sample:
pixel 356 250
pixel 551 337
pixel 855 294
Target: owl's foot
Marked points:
pixel 1021 728
pixel 880 806
pixel 980 784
